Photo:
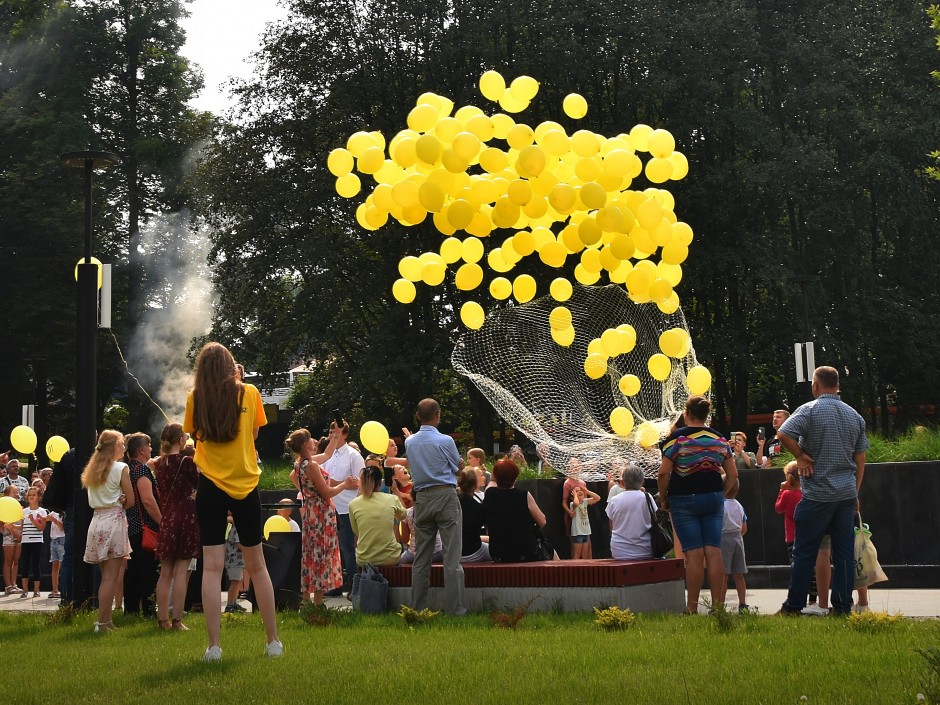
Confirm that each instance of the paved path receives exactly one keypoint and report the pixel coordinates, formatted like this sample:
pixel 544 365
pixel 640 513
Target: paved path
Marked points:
pixel 910 603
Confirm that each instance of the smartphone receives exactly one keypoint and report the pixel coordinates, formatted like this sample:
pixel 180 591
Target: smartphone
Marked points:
pixel 761 436
pixel 337 419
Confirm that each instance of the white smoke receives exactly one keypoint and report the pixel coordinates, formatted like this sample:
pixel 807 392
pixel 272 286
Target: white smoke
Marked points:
pixel 179 300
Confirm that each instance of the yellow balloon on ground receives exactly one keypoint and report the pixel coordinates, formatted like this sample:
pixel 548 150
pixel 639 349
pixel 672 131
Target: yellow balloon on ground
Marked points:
pixel 277 524
pixel 56 447
pixel 564 337
pixel 699 379
pixel 23 439
pixel 621 421
pixel 469 277
pixel 472 315
pixel 629 385
pixel 374 437
pixel 97 262
pixel 647 435
pixel 404 291
pixel 659 367
pixel 595 366
pixel 10 510
pixel 575 106
pixel 492 85
pixel 560 289
pixel 523 288
pixel 500 288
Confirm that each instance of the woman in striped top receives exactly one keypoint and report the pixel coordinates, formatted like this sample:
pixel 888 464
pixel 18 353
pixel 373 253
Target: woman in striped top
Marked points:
pixel 696 471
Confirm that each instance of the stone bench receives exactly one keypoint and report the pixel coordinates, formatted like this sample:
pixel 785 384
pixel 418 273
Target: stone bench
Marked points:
pixel 568 586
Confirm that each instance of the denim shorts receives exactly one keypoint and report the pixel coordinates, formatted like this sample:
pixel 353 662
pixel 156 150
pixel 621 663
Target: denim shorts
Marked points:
pixel 57 549
pixel 697 519
pixel 580 538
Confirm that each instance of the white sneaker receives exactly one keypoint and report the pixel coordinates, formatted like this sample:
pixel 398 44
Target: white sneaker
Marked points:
pixel 816 611
pixel 213 653
pixel 859 609
pixel 275 649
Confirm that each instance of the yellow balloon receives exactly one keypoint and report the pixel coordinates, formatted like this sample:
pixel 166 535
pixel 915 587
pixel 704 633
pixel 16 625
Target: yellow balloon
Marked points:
pixel 647 435
pixel 523 288
pixel 553 254
pixel 649 213
pixel 278 524
pixel 511 104
pixel 629 385
pixel 560 289
pixel 680 165
pixel 658 170
pixel 469 277
pixel 670 342
pixel 595 366
pixel 404 291
pixel 23 439
pixel 429 149
pixel 339 162
pixel 560 318
pixel 531 162
pixel 556 142
pixel 460 213
pixel 661 143
pixel 524 88
pixel 593 195
pixel 660 290
pixel 575 106
pixel 472 250
pixel 639 136
pixel 562 197
pixel 699 379
pixel 673 253
pixel 519 192
pixel 451 250
pixel 431 196
pixel 348 186
pixel 500 288
pixel 628 335
pixel 681 234
pixel 492 85
pixel 621 421
pixel 638 282
pixel 564 337
pixel 520 136
pixel 524 243
pixel 10 510
pixel 472 315
pixel 371 160
pixel 659 367
pixel 466 145
pixel 433 273
pixel 611 342
pixel 97 262
pixel 584 143
pixel 670 305
pixel 422 118
pixel 56 447
pixel 359 142
pixel 494 160
pixel 410 268
pixel 595 347
pixel 374 437
pixel 584 276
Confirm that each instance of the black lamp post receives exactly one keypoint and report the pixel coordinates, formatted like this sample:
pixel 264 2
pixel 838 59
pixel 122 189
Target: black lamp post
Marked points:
pixel 85 375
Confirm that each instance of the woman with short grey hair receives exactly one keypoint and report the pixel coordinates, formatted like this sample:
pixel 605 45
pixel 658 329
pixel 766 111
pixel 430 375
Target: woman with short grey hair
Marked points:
pixel 630 518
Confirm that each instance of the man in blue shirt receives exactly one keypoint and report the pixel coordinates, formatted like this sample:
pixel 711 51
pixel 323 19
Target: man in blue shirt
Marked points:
pixel 827 438
pixel 434 463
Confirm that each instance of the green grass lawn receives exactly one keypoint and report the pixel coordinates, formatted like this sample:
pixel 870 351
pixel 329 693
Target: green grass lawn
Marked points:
pixel 548 659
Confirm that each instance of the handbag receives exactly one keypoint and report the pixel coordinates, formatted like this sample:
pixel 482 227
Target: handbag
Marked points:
pixel 544 551
pixel 370 591
pixel 150 538
pixel 660 536
pixel 867 569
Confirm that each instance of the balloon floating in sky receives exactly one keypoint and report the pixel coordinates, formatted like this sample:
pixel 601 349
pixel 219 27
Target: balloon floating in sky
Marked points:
pixel 502 192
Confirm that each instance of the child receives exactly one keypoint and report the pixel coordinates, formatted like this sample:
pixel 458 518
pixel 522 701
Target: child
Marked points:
pixel 286 513
pixel 234 569
pixel 475 459
pixel 789 496
pixel 56 549
pixel 581 498
pixel 573 480
pixel 12 535
pixel 34 522
pixel 732 548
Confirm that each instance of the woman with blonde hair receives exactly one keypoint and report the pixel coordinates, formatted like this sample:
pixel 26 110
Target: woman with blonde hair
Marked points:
pixel 108 482
pixel 372 515
pixel 224 415
pixel 177 476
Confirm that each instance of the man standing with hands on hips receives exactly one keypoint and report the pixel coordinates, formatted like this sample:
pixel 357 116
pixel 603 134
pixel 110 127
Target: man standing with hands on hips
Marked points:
pixel 434 463
pixel 827 438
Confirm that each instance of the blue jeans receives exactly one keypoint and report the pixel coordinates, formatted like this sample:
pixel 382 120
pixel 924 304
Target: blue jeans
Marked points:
pixel 697 519
pixel 347 548
pixel 814 520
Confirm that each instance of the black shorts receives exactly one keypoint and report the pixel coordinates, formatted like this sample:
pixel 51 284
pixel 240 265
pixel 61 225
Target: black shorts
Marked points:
pixel 212 507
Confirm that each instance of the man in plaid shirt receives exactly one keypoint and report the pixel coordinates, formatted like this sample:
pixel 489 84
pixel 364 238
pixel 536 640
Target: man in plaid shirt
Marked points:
pixel 827 438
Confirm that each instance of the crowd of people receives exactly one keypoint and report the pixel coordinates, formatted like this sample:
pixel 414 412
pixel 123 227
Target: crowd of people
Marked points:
pixel 154 515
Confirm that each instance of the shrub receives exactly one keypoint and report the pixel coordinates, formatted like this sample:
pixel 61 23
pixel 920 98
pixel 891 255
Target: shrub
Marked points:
pixel 614 619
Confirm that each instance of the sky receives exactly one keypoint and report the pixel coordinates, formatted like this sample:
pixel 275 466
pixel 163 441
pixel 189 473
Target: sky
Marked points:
pixel 220 35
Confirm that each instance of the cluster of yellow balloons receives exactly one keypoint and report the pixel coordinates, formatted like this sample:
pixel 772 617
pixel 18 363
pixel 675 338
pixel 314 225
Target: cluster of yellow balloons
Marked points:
pixel 24 440
pixel 560 195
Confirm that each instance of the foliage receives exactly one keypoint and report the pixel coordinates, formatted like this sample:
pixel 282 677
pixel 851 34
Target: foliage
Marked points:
pixel 511 620
pixel 873 621
pixel 916 444
pixel 930 675
pixel 614 618
pixel 116 417
pixel 416 618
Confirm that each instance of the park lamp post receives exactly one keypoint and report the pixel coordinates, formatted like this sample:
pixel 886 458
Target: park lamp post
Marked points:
pixel 85 375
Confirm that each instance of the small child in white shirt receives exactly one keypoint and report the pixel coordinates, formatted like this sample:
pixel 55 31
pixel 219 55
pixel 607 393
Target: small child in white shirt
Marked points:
pixel 732 548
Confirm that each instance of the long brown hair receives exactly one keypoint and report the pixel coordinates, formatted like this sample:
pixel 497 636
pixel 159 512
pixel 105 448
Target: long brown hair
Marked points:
pixel 99 465
pixel 217 395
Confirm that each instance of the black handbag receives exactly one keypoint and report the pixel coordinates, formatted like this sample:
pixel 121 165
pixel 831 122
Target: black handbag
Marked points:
pixel 660 536
pixel 544 551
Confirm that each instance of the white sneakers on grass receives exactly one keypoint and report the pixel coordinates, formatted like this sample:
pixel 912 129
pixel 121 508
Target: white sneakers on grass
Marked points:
pixel 214 653
pixel 815 610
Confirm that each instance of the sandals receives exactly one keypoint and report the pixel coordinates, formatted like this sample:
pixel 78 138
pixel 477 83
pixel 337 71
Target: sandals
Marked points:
pixel 163 624
pixel 101 627
pixel 179 626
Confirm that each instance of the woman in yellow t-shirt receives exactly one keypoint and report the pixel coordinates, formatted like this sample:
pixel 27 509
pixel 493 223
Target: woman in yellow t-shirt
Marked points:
pixel 224 416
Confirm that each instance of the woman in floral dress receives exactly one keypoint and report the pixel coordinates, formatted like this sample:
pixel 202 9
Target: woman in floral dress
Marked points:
pixel 320 566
